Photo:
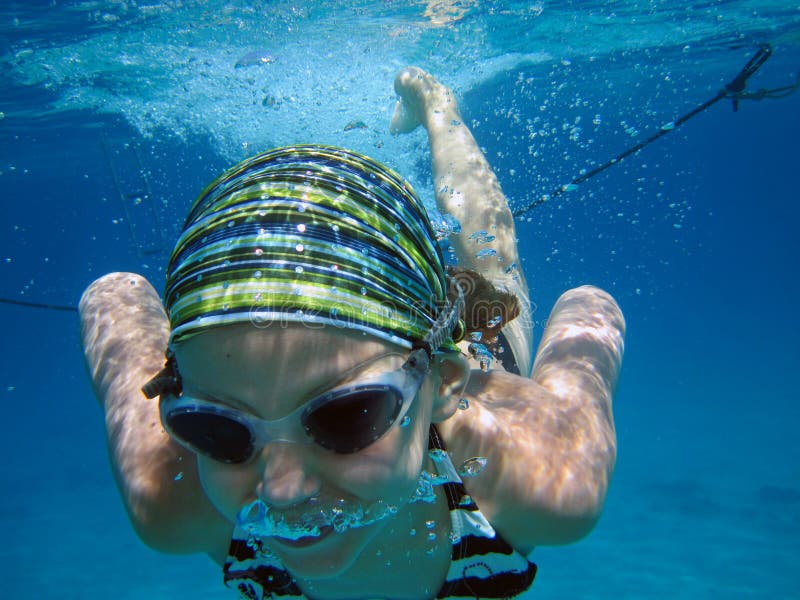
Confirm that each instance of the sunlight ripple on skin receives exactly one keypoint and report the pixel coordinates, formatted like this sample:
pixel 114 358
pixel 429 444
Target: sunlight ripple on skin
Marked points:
pixel 574 448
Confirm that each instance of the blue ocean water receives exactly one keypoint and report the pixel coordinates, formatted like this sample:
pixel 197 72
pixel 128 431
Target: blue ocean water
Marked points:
pixel 696 236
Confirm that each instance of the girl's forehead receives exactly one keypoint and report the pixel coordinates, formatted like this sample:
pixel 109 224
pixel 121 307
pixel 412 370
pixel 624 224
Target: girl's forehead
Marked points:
pixel 244 364
pixel 303 343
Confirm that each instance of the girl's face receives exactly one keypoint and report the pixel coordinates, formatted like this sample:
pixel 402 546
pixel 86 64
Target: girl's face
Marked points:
pixel 271 372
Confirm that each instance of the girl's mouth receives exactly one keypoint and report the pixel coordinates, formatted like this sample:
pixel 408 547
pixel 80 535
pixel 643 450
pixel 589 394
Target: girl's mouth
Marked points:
pixel 307 540
pixel 307 524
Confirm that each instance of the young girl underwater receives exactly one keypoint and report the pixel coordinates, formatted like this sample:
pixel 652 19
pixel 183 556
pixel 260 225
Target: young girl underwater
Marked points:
pixel 323 427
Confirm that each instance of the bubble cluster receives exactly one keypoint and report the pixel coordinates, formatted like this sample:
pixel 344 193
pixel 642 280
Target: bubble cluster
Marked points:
pixel 310 518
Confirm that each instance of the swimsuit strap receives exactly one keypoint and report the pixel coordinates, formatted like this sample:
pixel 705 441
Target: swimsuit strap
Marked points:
pixel 483 564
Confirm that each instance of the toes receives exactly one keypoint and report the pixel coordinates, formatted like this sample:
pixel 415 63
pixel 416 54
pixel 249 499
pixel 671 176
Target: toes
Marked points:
pixel 406 78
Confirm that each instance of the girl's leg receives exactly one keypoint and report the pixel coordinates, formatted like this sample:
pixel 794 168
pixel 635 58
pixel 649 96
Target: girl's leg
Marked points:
pixel 467 189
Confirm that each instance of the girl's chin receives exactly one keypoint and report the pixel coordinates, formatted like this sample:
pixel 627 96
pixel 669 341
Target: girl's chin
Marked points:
pixel 327 555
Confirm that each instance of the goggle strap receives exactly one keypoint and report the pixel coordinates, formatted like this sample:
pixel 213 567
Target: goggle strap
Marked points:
pixel 166 381
pixel 445 323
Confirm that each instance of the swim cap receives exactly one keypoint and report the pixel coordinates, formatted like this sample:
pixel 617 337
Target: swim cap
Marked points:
pixel 308 234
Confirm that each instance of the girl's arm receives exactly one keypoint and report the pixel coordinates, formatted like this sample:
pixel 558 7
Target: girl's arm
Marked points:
pixel 549 440
pixel 124 332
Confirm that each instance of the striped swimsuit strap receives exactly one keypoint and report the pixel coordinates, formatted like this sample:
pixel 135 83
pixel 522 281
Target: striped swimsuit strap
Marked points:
pixel 483 564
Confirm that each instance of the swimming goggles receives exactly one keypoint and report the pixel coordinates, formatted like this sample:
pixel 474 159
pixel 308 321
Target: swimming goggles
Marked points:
pixel 345 419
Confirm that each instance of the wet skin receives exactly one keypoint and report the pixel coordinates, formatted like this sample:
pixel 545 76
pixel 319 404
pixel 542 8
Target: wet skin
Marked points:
pixel 268 373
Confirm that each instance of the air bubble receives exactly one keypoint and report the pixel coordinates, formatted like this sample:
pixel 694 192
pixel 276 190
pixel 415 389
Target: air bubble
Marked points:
pixel 482 354
pixel 301 227
pixel 430 524
pixel 299 247
pixel 298 269
pixel 437 455
pixel 258 519
pixel 463 404
pixel 445 225
pixel 259 251
pixel 257 274
pixel 472 467
pixel 481 237
pixel 494 322
pixel 363 291
pixel 406 419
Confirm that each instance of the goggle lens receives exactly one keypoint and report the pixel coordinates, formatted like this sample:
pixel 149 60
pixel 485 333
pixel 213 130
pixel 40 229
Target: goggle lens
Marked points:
pixel 355 420
pixel 212 434
pixel 344 420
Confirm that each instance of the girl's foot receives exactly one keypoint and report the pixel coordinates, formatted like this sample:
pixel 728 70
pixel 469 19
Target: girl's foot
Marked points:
pixel 423 101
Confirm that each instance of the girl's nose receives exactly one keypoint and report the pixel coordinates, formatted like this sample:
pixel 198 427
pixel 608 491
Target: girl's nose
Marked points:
pixel 287 477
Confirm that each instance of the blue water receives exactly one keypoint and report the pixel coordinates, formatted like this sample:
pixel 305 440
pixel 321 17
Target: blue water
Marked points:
pixel 696 236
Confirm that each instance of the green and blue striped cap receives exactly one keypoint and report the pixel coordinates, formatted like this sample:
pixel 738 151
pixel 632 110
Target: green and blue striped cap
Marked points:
pixel 310 234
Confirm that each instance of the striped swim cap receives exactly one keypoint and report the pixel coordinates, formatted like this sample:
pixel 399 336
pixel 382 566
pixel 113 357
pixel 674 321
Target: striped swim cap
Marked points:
pixel 308 234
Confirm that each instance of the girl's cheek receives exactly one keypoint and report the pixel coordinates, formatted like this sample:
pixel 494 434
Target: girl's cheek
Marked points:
pixel 392 467
pixel 227 488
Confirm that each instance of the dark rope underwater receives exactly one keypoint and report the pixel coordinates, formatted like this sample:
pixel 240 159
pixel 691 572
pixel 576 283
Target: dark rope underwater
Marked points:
pixel 733 90
pixel 39 305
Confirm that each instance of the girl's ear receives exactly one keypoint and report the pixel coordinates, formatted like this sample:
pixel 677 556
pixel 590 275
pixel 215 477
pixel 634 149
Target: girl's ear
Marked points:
pixel 452 375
